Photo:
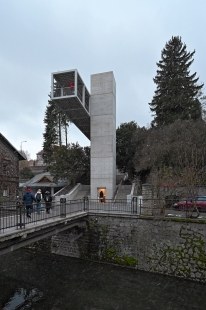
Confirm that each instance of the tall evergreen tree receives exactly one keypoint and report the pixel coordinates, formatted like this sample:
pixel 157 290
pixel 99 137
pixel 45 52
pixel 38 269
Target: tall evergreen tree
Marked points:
pixel 125 147
pixel 56 124
pixel 176 96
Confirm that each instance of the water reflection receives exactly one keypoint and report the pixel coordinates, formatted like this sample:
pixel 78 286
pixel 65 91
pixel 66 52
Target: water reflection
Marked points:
pixel 23 299
pixel 32 280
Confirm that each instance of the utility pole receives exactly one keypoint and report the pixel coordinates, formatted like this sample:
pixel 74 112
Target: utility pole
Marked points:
pixel 21 145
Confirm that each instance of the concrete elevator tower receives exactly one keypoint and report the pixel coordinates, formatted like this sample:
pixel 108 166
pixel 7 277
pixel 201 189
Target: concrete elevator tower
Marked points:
pixel 95 116
pixel 103 135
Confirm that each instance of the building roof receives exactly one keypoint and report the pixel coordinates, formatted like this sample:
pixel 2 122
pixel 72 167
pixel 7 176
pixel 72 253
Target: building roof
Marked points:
pixel 19 155
pixel 43 179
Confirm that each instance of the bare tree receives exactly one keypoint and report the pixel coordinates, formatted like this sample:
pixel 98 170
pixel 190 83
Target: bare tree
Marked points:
pixel 175 157
pixel 24 163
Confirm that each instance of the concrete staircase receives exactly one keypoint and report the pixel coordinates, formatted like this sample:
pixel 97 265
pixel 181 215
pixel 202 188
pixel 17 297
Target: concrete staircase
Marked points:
pixel 64 190
pixel 84 191
pixel 123 191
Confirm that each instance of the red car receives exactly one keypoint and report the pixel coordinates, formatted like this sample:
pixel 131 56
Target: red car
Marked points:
pixel 200 202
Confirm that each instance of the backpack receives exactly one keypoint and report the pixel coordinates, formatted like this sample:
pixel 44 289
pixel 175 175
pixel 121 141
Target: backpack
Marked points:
pixel 48 198
pixel 38 197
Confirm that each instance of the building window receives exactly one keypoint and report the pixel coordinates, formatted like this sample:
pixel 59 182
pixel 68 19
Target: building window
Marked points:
pixel 5 191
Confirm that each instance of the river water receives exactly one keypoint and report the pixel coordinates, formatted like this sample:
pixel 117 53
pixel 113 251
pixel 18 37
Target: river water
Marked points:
pixel 34 280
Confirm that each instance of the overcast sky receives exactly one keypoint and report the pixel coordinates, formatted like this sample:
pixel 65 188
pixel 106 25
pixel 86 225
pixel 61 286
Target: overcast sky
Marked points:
pixel 93 36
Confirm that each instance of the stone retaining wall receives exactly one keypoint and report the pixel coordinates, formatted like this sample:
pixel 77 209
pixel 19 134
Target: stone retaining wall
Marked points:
pixel 172 247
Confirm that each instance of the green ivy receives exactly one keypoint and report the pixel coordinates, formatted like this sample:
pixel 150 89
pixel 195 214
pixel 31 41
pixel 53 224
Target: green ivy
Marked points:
pixel 125 260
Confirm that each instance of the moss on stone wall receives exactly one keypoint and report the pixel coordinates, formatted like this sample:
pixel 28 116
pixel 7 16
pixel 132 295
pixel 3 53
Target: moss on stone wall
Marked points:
pixel 111 256
pixel 163 246
pixel 188 259
pixel 101 246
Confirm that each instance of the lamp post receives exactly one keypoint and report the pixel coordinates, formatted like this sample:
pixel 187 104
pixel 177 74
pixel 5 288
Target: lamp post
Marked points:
pixel 21 145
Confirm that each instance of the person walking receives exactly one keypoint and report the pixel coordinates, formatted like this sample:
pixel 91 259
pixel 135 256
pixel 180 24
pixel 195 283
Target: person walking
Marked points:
pixel 48 201
pixel 38 197
pixel 28 200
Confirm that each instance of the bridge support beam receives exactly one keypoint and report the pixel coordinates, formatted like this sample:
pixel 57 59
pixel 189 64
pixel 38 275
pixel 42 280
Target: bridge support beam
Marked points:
pixel 17 239
pixel 103 135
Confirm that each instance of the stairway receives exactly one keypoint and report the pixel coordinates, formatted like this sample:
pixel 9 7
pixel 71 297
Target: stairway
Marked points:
pixel 84 191
pixel 64 190
pixel 123 191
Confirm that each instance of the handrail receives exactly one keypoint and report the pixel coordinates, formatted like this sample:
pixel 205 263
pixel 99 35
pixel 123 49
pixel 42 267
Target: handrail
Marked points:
pixel 16 216
pixel 64 91
pixel 73 190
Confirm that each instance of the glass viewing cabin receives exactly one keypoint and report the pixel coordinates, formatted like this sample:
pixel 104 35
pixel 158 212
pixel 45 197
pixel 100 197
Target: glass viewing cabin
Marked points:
pixel 69 92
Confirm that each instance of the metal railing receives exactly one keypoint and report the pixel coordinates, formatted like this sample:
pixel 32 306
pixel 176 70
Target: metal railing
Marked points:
pixel 16 215
pixel 63 91
pixel 8 203
pixel 169 208
pixel 112 206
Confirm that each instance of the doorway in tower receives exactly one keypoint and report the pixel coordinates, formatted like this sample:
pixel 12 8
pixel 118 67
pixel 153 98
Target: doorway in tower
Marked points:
pixel 101 194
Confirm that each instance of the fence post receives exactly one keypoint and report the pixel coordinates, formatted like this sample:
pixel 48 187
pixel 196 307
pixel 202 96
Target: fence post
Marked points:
pixel 86 200
pixel 19 214
pixel 134 205
pixel 140 205
pixel 148 195
pixel 20 217
pixel 63 206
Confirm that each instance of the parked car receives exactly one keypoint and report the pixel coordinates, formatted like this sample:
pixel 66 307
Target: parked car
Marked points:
pixel 200 202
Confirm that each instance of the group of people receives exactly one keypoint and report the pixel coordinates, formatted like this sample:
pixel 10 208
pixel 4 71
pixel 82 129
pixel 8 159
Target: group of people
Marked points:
pixel 29 199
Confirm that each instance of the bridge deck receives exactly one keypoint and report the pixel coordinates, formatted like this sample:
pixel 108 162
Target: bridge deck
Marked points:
pixel 13 238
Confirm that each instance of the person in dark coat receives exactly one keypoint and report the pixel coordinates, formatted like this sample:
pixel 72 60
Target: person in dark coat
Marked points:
pixel 28 200
pixel 101 196
pixel 48 201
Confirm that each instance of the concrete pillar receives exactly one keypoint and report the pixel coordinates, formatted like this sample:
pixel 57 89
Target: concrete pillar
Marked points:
pixel 151 203
pixel 103 134
pixel 147 202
